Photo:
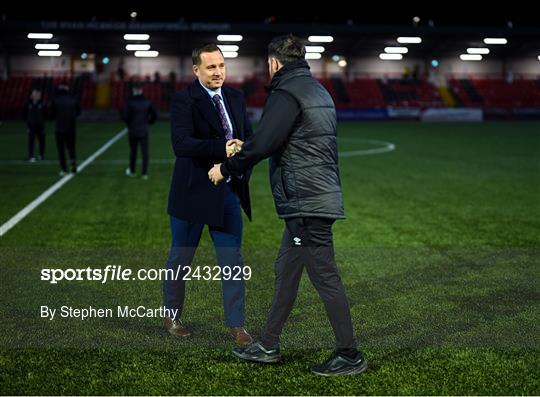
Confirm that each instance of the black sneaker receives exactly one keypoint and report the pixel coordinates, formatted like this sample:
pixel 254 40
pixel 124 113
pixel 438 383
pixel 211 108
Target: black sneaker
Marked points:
pixel 257 352
pixel 338 364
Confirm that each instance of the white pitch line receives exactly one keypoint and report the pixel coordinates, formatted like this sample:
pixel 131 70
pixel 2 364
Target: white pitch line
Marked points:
pixel 385 147
pixel 55 162
pixel 367 152
pixel 50 191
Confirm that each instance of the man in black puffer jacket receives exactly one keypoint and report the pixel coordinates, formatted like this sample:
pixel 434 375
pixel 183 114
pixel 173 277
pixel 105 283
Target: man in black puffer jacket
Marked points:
pixel 298 131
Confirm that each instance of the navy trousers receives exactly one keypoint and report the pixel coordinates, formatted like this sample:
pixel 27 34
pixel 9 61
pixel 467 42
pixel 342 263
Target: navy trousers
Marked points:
pixel 227 243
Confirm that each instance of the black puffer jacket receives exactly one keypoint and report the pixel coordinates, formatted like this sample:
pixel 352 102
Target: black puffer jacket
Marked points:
pixel 298 129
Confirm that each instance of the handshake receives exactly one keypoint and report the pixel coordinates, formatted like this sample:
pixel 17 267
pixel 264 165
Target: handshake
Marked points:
pixel 232 147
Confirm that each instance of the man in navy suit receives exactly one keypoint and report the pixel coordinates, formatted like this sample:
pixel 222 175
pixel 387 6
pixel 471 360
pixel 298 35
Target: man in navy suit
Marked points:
pixel 208 124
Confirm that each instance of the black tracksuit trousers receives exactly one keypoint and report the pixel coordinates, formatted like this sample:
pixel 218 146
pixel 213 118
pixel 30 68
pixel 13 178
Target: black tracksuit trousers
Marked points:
pixel 134 142
pixel 308 242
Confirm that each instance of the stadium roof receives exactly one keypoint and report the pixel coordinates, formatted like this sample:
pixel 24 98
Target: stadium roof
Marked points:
pixel 354 36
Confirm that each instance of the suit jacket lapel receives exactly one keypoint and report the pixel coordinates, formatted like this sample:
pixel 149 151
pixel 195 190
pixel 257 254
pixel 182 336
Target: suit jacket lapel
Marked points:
pixel 205 106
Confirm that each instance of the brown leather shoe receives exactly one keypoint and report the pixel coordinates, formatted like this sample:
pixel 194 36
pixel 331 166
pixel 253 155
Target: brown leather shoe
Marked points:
pixel 176 328
pixel 241 336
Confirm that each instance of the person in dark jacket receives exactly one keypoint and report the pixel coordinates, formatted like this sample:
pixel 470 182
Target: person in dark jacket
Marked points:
pixel 298 130
pixel 138 113
pixel 65 109
pixel 35 113
pixel 208 121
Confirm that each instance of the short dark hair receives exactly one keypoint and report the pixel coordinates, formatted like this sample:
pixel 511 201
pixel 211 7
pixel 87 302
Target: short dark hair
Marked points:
pixel 208 47
pixel 287 48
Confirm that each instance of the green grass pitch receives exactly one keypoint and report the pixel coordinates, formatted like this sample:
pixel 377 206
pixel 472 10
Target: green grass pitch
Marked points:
pixel 439 255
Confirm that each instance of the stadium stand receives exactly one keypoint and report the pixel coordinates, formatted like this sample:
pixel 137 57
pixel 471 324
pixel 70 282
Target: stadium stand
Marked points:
pixel 359 93
pixel 15 91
